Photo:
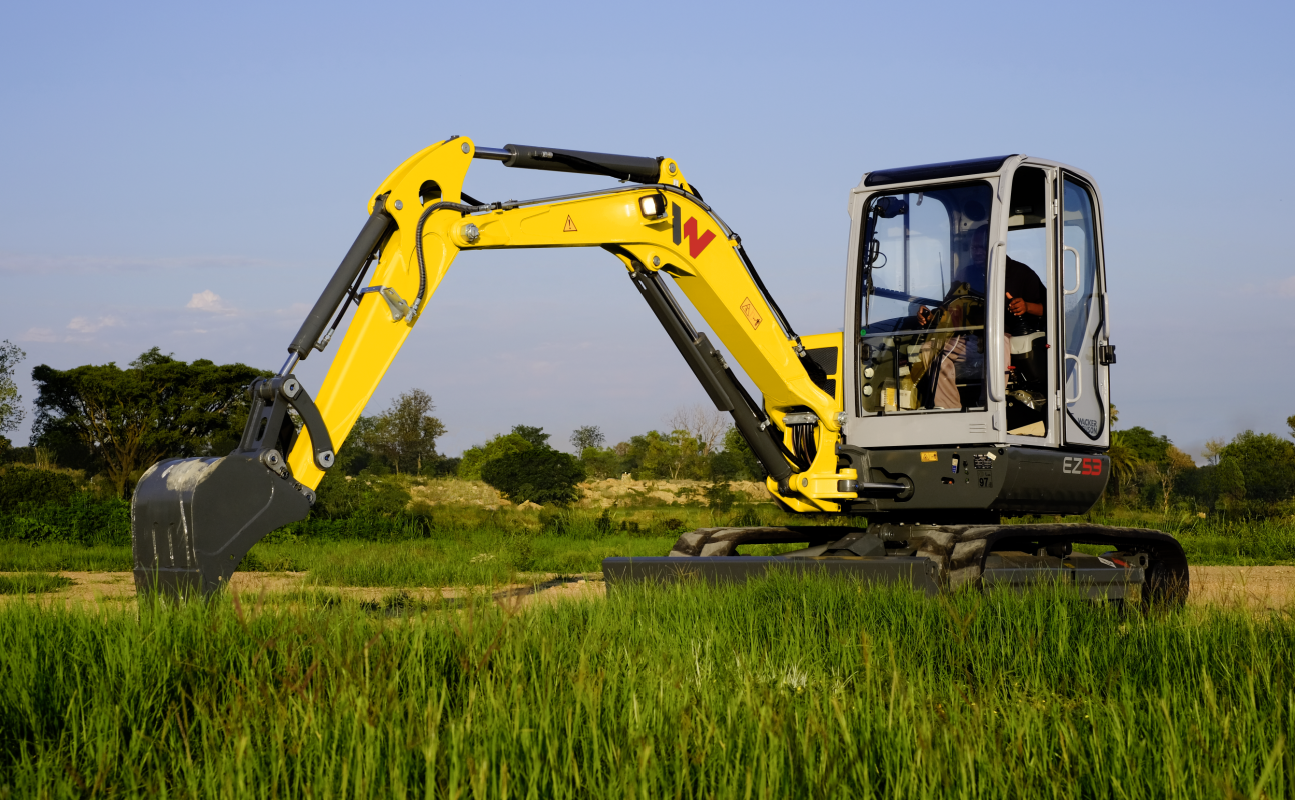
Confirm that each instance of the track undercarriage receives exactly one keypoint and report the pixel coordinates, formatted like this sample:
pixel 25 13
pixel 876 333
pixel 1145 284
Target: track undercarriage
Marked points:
pixel 1137 565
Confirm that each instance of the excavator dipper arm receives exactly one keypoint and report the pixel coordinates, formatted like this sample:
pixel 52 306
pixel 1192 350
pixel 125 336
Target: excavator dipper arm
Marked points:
pixel 193 520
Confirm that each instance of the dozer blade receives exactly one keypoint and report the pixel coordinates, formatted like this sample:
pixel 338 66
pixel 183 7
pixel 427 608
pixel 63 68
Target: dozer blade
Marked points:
pixel 192 520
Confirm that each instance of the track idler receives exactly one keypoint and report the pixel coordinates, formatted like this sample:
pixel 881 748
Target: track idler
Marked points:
pixel 192 520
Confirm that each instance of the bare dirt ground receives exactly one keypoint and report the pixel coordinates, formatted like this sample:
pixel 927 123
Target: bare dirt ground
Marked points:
pixel 1257 589
pixel 90 588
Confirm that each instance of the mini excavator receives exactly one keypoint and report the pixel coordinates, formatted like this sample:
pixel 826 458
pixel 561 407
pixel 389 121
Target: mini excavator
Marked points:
pixel 971 380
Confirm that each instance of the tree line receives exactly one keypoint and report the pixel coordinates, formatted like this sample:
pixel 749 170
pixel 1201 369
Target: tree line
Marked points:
pixel 1253 475
pixel 112 423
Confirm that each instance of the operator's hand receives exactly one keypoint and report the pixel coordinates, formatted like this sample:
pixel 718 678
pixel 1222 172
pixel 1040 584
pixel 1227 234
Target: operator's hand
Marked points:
pixel 924 315
pixel 1019 307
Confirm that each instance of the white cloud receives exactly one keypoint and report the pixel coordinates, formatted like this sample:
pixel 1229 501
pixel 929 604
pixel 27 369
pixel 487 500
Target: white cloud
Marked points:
pixel 209 301
pixel 86 325
pixel 1286 288
pixel 39 335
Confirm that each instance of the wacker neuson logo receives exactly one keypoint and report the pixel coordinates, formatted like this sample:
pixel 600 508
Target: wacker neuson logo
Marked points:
pixel 696 243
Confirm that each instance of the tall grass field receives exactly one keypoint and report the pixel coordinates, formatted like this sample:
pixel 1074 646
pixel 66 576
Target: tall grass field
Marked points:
pixel 778 688
pixel 473 547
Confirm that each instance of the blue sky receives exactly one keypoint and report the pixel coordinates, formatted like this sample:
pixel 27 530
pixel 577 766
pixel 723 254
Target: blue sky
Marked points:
pixel 189 176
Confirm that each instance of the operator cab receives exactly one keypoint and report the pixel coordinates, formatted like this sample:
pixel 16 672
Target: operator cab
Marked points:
pixel 978 302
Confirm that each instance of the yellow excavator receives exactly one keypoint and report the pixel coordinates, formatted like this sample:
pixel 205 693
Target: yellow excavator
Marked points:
pixel 971 380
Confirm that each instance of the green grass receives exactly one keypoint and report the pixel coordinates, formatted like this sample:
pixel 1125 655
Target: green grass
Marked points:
pixel 1212 541
pixel 63 557
pixel 473 546
pixel 778 688
pixel 482 558
pixel 32 583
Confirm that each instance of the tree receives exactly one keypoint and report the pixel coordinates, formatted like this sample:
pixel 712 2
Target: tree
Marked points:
pixel 119 421
pixel 1213 449
pixel 474 458
pixel 11 411
pixel 536 436
pixel 737 458
pixel 536 474
pixel 705 425
pixel 1266 463
pixel 602 462
pixel 1230 483
pixel 587 436
pixel 1167 471
pixel 1124 461
pixel 356 454
pixel 406 432
pixel 1145 444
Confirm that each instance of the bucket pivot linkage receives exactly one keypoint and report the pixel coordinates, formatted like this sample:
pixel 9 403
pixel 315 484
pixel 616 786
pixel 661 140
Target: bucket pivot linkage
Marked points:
pixel 193 519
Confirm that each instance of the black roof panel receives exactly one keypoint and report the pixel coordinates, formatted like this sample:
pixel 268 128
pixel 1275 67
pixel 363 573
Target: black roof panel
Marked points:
pixel 926 172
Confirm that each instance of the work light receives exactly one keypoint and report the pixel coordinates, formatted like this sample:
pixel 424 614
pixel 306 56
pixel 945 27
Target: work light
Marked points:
pixel 652 205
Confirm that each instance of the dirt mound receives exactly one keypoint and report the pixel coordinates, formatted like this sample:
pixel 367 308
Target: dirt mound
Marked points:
pixel 593 493
pixel 626 492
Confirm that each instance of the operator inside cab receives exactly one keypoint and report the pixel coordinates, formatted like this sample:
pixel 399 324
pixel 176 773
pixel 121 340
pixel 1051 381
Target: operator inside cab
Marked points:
pixel 923 300
pixel 1026 310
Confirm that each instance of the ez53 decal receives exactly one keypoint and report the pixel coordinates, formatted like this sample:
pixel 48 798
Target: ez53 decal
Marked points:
pixel 1081 466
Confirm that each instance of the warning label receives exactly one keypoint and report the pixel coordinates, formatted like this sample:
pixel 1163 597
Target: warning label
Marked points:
pixel 570 226
pixel 752 316
pixel 930 455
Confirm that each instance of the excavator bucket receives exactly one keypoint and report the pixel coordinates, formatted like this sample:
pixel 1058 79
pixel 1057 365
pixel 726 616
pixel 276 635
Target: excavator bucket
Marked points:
pixel 193 520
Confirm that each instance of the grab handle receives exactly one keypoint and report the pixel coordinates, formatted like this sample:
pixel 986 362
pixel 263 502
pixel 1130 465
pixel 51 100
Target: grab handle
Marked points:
pixel 1077 280
pixel 1079 380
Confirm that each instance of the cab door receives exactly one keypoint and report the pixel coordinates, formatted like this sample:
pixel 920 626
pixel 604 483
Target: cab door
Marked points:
pixel 1085 354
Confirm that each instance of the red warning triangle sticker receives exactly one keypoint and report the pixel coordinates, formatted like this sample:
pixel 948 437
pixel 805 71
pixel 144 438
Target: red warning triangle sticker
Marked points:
pixel 570 226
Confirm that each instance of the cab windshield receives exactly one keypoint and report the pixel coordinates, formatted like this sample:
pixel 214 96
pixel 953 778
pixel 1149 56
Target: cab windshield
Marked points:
pixel 924 266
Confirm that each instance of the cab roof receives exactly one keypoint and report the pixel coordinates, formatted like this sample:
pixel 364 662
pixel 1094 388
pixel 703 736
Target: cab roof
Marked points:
pixel 926 172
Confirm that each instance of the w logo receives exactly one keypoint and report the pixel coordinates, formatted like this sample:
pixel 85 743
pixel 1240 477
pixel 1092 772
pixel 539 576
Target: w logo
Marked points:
pixel 696 243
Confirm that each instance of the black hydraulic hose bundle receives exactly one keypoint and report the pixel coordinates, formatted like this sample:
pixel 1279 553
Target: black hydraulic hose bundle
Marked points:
pixel 804 443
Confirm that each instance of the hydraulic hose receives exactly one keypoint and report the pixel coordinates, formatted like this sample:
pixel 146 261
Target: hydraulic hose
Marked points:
pixel 418 248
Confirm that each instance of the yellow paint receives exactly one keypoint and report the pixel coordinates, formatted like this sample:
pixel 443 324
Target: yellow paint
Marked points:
pixel 715 280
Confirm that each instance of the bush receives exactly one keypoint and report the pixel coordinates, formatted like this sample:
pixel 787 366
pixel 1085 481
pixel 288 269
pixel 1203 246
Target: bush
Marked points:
pixel 536 475
pixel 22 485
pixel 364 494
pixel 474 459
pixel 82 519
pixel 601 462
pixel 553 520
pixel 604 523
pixel 720 496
